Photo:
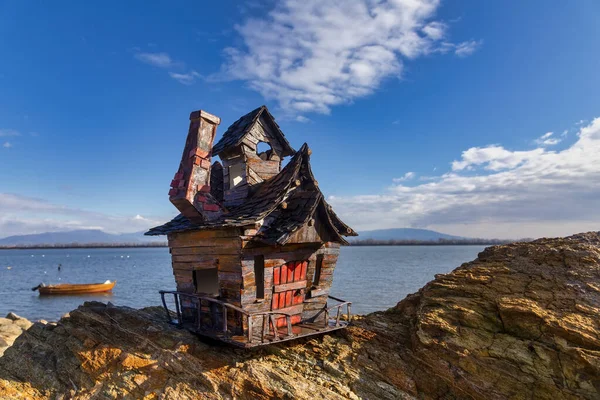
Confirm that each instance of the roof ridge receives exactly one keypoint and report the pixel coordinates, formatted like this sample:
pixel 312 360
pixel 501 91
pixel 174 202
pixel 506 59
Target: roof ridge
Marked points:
pixel 236 132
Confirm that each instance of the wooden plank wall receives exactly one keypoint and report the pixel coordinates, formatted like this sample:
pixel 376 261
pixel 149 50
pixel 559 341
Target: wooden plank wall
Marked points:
pixel 208 249
pixel 229 250
pixel 277 256
pixel 256 170
pixel 220 248
pixel 234 196
pixel 261 169
pixel 316 298
pixel 316 232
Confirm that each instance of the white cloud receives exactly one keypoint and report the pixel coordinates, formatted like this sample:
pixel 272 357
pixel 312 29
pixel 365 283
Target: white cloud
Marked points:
pixel 24 215
pixel 435 30
pixel 7 145
pixel 164 60
pixel 187 78
pixel 161 60
pixel 9 132
pixel 406 177
pixel 467 48
pixel 494 192
pixel 310 55
pixel 493 158
pixel 303 119
pixel 547 140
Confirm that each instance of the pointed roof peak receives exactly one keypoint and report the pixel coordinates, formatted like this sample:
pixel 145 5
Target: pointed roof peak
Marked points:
pixel 235 133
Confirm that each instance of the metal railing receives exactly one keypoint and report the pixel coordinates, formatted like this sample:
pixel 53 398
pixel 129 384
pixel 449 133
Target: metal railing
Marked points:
pixel 269 318
pixel 338 307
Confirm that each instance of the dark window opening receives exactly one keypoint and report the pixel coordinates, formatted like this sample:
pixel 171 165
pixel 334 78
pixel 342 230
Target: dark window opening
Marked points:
pixel 259 276
pixel 318 267
pixel 206 281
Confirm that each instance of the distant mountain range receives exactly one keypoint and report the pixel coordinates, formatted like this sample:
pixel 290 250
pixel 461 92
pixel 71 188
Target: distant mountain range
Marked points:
pixel 404 234
pixel 96 236
pixel 84 236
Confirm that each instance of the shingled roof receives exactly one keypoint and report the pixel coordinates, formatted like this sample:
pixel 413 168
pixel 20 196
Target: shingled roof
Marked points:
pixel 235 133
pixel 302 202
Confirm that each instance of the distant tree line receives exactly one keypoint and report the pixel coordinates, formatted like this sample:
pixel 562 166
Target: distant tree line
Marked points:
pixel 439 242
pixel 83 245
pixel 365 242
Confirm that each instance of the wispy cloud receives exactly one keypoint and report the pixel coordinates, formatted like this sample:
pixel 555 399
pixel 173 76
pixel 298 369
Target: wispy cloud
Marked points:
pixel 547 139
pixel 495 192
pixel 161 60
pixel 307 56
pixel 9 133
pixel 25 215
pixel 165 61
pixel 406 177
pixel 303 119
pixel 186 78
pixel 7 145
pixel 467 48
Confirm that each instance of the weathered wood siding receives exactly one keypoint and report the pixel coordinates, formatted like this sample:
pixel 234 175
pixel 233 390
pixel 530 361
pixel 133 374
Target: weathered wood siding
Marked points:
pixel 208 249
pixel 234 195
pixel 313 232
pixel 316 297
pixel 256 168
pixel 277 256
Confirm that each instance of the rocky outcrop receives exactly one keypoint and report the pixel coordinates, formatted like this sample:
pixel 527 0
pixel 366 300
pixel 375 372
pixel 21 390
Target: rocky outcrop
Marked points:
pixel 10 328
pixel 522 321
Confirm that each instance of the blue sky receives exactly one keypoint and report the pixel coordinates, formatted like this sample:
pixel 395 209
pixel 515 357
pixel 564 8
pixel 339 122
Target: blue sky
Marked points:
pixel 419 113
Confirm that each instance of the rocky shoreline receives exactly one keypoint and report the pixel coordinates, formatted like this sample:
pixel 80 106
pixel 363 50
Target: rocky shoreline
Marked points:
pixel 521 321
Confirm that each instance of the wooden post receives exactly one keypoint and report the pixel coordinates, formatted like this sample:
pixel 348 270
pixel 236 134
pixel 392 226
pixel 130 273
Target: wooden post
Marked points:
pixel 275 332
pixel 288 319
pixel 224 319
pixel 349 312
pixel 265 327
pixel 326 318
pixel 337 318
pixel 250 328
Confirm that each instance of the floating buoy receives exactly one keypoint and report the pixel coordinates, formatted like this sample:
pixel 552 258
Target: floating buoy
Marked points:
pixel 8 267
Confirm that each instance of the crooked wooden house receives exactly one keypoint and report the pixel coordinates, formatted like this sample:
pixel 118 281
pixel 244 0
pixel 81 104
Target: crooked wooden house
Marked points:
pixel 255 245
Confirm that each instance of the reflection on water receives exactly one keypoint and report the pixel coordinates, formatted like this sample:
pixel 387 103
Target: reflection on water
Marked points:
pixel 373 278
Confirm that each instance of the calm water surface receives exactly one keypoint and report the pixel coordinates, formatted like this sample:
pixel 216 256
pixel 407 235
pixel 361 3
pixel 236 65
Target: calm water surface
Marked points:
pixel 373 278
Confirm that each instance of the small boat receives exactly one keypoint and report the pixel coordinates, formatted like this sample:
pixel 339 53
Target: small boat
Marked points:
pixel 76 288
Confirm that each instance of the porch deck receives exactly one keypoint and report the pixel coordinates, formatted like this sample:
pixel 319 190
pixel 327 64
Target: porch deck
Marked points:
pixel 261 327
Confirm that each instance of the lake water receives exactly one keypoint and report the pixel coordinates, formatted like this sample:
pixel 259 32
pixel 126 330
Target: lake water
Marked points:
pixel 373 278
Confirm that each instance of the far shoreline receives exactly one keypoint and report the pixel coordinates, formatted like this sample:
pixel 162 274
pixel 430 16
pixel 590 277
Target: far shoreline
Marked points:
pixel 362 243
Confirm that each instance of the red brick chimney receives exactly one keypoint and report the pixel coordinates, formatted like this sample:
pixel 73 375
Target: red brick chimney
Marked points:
pixel 190 191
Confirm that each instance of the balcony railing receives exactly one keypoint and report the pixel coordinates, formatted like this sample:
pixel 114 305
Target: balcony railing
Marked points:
pixel 261 326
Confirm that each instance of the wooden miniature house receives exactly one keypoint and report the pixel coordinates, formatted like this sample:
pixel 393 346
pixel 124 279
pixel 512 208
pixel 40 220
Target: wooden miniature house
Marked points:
pixel 255 246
